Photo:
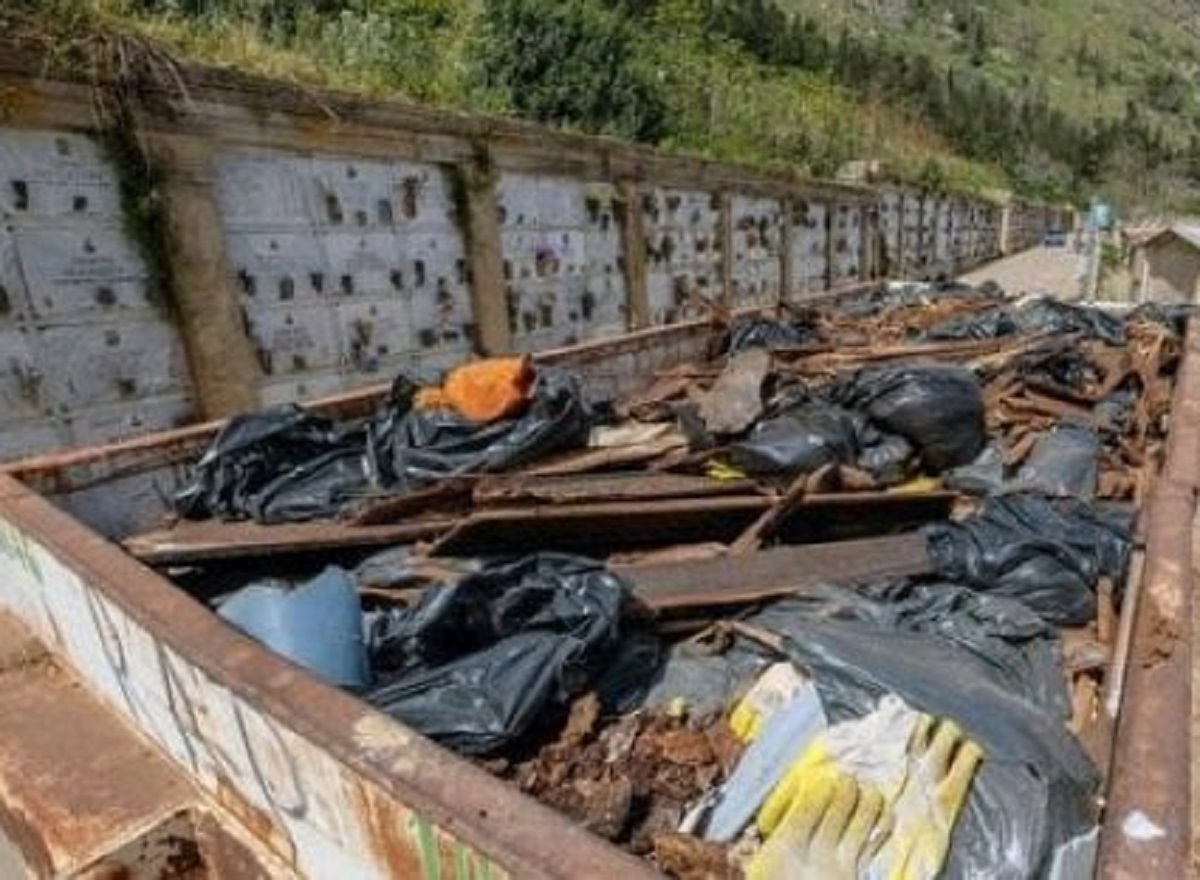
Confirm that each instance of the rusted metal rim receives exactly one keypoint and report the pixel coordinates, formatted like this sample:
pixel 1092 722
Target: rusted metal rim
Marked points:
pixel 1147 823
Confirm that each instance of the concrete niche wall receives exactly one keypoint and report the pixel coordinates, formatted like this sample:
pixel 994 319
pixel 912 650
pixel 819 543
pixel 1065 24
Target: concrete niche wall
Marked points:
pixel 88 350
pixel 561 245
pixel 322 242
pixel 347 269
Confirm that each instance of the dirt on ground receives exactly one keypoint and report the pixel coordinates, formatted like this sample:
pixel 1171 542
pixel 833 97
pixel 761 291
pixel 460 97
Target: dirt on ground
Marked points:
pixel 1055 270
pixel 633 779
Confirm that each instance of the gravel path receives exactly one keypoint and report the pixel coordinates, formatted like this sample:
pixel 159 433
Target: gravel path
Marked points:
pixel 1038 270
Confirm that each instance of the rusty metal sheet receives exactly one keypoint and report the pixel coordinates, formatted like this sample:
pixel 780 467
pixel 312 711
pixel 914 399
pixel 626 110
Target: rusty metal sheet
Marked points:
pixel 755 577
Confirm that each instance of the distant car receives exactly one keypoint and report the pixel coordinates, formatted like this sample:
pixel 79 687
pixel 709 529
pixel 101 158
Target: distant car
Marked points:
pixel 1055 238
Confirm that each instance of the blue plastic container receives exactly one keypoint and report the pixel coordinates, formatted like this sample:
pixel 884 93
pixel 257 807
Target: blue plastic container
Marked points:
pixel 317 625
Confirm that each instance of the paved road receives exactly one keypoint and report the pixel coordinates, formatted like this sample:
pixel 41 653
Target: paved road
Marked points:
pixel 1038 270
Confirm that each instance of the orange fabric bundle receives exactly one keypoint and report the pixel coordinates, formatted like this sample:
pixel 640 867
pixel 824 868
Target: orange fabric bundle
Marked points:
pixel 483 391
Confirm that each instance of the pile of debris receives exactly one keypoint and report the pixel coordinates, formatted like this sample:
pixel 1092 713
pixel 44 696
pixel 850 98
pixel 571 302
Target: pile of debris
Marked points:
pixel 717 684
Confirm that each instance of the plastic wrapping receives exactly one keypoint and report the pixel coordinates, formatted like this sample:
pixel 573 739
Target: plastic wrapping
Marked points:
pixel 418 448
pixel 256 459
pixel 889 458
pixel 990 324
pixel 798 440
pixel 1171 315
pixel 706 683
pixel 1048 554
pixel 938 409
pixel 284 464
pixel 987 663
pixel 1046 314
pixel 983 476
pixel 1038 316
pixel 758 332
pixel 1064 462
pixel 475 664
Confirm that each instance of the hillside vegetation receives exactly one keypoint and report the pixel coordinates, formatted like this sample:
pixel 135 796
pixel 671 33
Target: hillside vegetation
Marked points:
pixel 1063 98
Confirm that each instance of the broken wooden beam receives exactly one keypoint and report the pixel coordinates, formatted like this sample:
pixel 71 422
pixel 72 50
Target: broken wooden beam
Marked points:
pixel 624 486
pixel 196 542
pixel 602 528
pixel 770 574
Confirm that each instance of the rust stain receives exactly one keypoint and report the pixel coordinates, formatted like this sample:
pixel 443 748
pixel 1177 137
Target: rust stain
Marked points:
pixel 223 855
pixel 384 823
pixel 258 823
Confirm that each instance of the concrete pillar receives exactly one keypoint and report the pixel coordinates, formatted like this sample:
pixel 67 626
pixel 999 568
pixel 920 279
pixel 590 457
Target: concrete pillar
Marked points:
pixel 485 256
pixel 1006 217
pixel 725 230
pixel 785 251
pixel 831 224
pixel 868 246
pixel 226 373
pixel 633 248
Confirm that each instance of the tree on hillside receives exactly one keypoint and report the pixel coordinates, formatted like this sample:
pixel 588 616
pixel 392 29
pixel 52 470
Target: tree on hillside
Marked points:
pixel 571 62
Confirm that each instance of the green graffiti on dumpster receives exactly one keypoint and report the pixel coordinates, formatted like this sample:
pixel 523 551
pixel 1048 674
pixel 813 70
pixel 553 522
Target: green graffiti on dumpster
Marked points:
pixel 16 546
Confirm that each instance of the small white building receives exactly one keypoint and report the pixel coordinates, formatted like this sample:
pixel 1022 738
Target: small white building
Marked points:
pixel 1166 266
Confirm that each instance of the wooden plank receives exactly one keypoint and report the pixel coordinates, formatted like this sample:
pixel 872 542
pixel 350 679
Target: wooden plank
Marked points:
pixel 601 528
pixel 191 542
pixel 623 486
pixel 769 574
pixel 598 528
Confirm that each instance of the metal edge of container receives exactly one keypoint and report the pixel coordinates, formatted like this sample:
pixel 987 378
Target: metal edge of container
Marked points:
pixel 1147 827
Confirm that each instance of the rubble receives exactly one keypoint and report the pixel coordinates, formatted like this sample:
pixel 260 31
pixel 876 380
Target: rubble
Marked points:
pixel 926 493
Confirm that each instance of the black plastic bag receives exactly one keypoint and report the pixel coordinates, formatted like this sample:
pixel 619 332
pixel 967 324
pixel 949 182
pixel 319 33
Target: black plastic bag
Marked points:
pixel 1063 463
pixel 1049 554
pixel 758 332
pixel 983 476
pixel 285 465
pixel 990 324
pixel 277 459
pixel 937 408
pixel 799 440
pixel 416 448
pixel 889 458
pixel 909 294
pixel 1173 316
pixel 1054 315
pixel 475 664
pixel 987 663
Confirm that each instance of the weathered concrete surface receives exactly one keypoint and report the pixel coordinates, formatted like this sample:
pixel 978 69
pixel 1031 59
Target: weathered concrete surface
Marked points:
pixel 1038 270
pixel 224 369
